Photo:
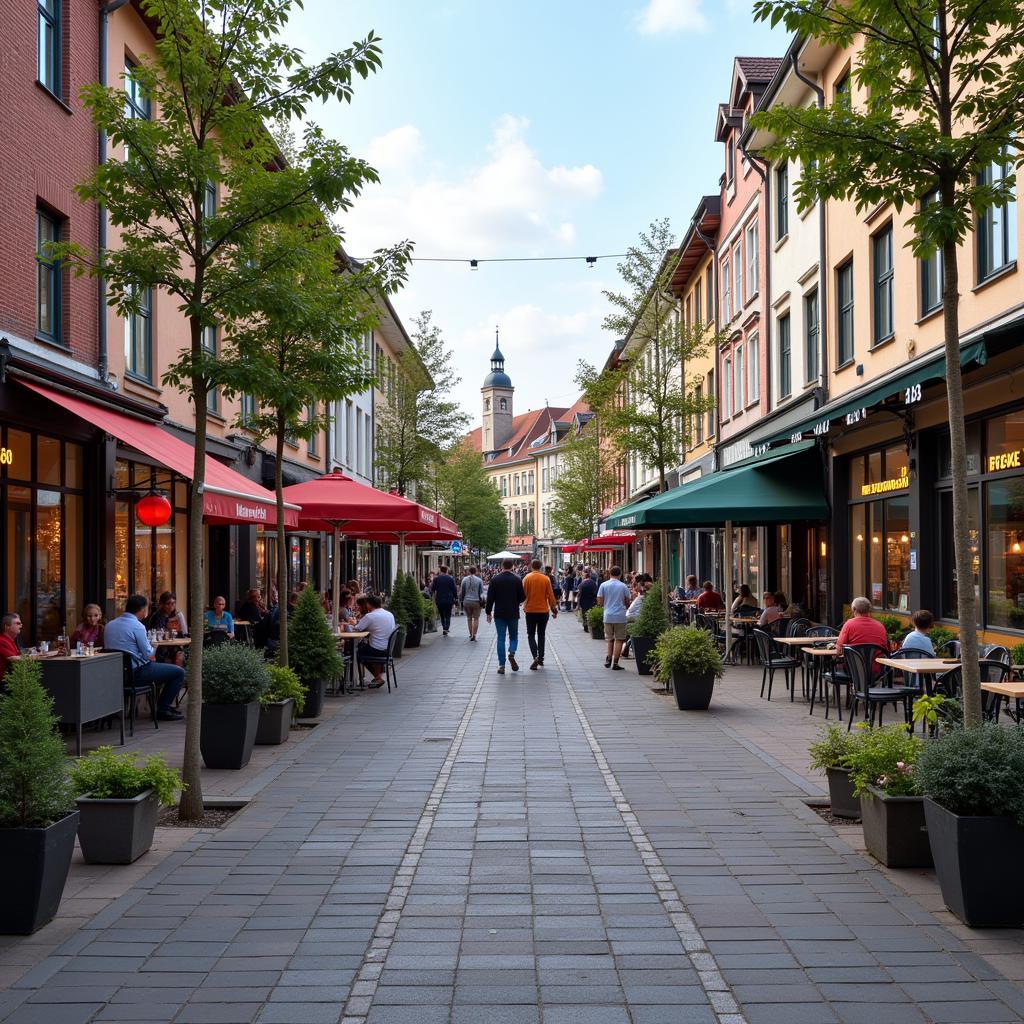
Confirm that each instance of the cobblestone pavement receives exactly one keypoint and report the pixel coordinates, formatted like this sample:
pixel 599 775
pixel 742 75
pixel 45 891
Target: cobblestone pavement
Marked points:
pixel 546 847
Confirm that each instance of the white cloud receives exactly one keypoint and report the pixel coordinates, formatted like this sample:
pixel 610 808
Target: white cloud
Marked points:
pixel 395 150
pixel 665 16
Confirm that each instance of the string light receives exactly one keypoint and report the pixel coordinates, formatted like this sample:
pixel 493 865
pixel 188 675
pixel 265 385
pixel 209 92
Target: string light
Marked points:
pixel 474 264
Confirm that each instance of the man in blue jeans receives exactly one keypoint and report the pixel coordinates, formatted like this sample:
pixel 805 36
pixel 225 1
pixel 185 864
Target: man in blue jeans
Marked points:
pixel 505 594
pixel 445 592
pixel 127 633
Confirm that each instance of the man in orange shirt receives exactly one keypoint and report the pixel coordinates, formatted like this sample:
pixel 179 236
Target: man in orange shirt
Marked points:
pixel 540 596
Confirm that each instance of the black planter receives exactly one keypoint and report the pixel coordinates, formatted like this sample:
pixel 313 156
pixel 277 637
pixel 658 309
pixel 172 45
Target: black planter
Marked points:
pixel 642 646
pixel 116 831
pixel 966 850
pixel 275 722
pixel 894 829
pixel 228 734
pixel 400 641
pixel 35 862
pixel 597 632
pixel 840 793
pixel 693 693
pixel 414 633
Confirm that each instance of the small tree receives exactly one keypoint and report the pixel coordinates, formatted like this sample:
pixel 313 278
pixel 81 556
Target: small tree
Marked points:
pixel 941 101
pixel 465 494
pixel 585 487
pixel 313 650
pixel 421 421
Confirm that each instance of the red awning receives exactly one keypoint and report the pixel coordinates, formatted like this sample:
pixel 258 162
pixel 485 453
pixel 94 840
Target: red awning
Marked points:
pixel 571 547
pixel 228 497
pixel 607 541
pixel 445 530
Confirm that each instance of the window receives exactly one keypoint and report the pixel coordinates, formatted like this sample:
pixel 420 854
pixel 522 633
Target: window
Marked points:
pixel 313 444
pixel 726 292
pixel 698 399
pixel 138 337
pixel 210 348
pixel 781 201
pixel 752 268
pixel 688 316
pixel 753 368
pixel 504 486
pixel 247 412
pixel 544 479
pixel 737 384
pixel 137 103
pixel 737 277
pixel 811 336
pixel 711 412
pixel 48 279
pixel 932 272
pixel 487 405
pixel 730 160
pixel 785 358
pixel 709 291
pixel 48 55
pixel 530 482
pixel 997 226
pixel 844 312
pixel 517 482
pixel 841 92
pixel 698 309
pixel 882 284
pixel 727 389
pixel 503 404
pixel 210 199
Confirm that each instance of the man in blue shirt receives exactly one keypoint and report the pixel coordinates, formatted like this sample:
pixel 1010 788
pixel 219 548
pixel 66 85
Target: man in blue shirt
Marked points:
pixel 127 633
pixel 613 596
pixel 918 639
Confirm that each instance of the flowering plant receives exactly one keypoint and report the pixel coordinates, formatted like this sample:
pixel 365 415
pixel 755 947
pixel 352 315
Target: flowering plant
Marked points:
pixel 884 759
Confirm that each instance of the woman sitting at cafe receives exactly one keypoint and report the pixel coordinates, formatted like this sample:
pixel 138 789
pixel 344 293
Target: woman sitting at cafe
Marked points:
pixel 168 618
pixel 219 620
pixel 90 629
pixel 252 609
pixel 744 599
pixel 346 608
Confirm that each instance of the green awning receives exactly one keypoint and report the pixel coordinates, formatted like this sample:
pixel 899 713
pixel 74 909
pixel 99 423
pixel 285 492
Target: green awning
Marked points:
pixel 783 487
pixel 852 409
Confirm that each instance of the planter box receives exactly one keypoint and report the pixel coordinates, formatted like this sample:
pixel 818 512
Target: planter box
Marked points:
pixel 313 705
pixel 596 632
pixel 642 646
pixel 693 693
pixel 840 793
pixel 228 734
pixel 400 641
pixel 414 633
pixel 116 831
pixel 274 723
pixel 967 850
pixel 35 862
pixel 894 829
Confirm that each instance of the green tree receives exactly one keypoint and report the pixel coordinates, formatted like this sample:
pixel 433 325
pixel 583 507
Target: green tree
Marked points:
pixel 295 355
pixel 465 494
pixel 201 173
pixel 586 482
pixel 940 107
pixel 421 421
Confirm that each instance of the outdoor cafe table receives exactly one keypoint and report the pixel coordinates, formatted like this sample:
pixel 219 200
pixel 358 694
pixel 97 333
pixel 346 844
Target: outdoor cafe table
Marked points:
pixel 747 623
pixel 178 641
pixel 926 668
pixel 85 688
pixel 343 639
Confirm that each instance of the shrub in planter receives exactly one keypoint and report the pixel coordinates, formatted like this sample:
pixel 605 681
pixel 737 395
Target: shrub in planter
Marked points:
pixel 895 628
pixel 974 808
pixel 689 658
pixel 829 754
pixel 311 650
pixel 37 819
pixel 119 801
pixel 650 624
pixel 234 678
pixel 881 767
pixel 940 635
pixel 416 605
pixel 595 619
pixel 282 703
pixel 1017 654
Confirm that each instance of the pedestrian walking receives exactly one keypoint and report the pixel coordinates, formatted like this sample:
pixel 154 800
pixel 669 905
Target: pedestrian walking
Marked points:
pixel 540 597
pixel 472 597
pixel 504 596
pixel 586 598
pixel 445 592
pixel 613 596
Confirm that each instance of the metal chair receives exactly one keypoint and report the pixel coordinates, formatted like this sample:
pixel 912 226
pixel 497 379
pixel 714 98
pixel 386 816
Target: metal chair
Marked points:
pixel 385 658
pixel 860 659
pixel 133 690
pixel 992 671
pixel 773 661
pixel 797 627
pixel 707 622
pixel 994 652
pixel 950 649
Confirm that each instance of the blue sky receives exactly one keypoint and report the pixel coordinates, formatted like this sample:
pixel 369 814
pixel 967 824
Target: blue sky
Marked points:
pixel 558 128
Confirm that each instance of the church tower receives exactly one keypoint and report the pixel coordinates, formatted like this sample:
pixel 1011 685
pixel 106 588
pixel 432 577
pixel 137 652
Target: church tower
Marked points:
pixel 497 396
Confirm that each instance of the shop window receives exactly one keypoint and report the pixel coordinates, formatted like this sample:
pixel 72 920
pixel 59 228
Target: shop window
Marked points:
pixel 48 52
pixel 948 593
pixel 1004 442
pixel 897 554
pixel 1004 554
pixel 882 285
pixel 811 336
pixel 785 358
pixel 997 226
pixel 48 460
pixel 48 278
pixel 945 463
pixel 844 313
pixel 932 272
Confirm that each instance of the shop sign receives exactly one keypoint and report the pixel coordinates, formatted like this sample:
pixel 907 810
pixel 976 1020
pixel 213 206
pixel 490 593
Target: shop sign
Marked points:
pixel 856 416
pixel 628 520
pixel 822 428
pixel 6 457
pixel 899 483
pixel 1005 460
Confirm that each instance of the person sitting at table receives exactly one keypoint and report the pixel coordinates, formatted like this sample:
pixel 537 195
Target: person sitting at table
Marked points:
pixel 346 608
pixel 772 612
pixel 782 603
pixel 127 633
pixel 168 617
pixel 709 600
pixel 252 609
pixel 744 599
pixel 688 590
pixel 863 629
pixel 918 639
pixel 219 620
pixel 10 630
pixel 90 629
pixel 379 623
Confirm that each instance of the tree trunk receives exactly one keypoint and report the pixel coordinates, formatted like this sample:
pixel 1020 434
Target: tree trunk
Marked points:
pixel 190 807
pixel 663 552
pixel 965 597
pixel 282 551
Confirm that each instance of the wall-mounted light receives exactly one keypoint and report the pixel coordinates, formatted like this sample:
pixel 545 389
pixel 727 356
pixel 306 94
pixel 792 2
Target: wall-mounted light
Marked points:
pixel 1016 547
pixel 904 539
pixel 824 549
pixel 860 538
pixel 874 540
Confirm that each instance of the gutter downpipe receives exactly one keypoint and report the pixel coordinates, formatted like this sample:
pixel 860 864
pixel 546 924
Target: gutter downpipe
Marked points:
pixel 766 299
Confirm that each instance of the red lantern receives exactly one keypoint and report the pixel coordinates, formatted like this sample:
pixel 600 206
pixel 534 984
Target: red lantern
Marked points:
pixel 153 510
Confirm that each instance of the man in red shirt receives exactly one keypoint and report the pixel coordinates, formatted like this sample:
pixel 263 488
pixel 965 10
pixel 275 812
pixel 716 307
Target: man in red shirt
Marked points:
pixel 862 629
pixel 709 600
pixel 10 628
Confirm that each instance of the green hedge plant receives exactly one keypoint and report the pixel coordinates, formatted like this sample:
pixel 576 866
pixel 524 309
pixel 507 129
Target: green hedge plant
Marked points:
pixel 939 635
pixel 653 619
pixel 885 758
pixel 895 628
pixel 832 748
pixel 285 685
pixel 234 674
pixel 34 787
pixel 1017 654
pixel 398 603
pixel 595 616
pixel 104 775
pixel 311 647
pixel 685 649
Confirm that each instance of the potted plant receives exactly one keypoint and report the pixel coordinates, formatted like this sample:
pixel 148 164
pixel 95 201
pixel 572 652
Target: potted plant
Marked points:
pixel 650 624
pixel 689 658
pixel 1017 654
pixel 974 807
pixel 119 802
pixel 939 635
pixel 398 605
pixel 37 820
pixel 595 619
pixel 829 754
pixel 312 652
pixel 416 604
pixel 234 678
pixel 881 767
pixel 895 629
pixel 282 702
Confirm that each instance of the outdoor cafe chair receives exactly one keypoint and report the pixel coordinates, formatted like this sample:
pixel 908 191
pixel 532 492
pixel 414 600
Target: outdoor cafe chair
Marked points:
pixel 993 671
pixel 772 661
pixel 745 640
pixel 860 660
pixel 133 690
pixel 385 658
pixel 707 622
pixel 950 649
pixel 820 675
pixel 797 627
pixel 995 652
